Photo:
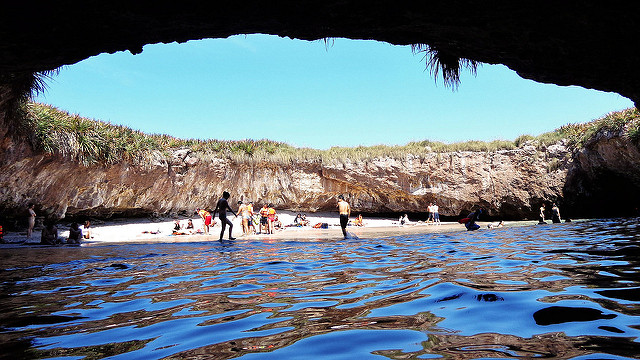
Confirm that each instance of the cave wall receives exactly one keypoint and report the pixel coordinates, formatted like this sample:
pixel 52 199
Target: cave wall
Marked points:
pixel 562 42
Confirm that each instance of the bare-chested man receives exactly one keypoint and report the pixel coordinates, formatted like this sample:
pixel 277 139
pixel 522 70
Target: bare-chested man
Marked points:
pixel 345 210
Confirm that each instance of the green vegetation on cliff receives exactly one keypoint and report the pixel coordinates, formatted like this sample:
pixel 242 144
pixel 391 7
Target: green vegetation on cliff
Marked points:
pixel 97 142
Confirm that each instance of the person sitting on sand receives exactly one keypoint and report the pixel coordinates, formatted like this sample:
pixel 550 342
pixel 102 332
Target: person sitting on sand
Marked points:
pixel 75 234
pixel 277 224
pixel 473 217
pixel 87 230
pixel 298 220
pixel 404 219
pixel 190 224
pixel 49 235
pixel 177 228
pixel 498 225
pixel 358 221
pixel 305 222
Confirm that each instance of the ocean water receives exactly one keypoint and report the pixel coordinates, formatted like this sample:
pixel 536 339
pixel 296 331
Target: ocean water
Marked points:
pixel 564 291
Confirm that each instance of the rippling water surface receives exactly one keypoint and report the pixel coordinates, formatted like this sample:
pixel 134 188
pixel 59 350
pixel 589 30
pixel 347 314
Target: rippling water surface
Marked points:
pixel 552 291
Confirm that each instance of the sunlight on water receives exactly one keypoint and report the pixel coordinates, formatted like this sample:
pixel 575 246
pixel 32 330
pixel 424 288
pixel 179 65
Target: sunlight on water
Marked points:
pixel 553 291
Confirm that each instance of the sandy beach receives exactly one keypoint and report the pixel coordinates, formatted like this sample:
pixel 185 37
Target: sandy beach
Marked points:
pixel 144 230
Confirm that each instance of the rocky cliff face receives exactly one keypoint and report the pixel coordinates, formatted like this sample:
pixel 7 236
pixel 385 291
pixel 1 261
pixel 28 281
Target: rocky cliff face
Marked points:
pixel 602 178
pixel 509 183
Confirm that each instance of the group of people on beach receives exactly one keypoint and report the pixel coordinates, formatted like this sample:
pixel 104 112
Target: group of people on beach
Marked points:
pixel 268 219
pixel 50 236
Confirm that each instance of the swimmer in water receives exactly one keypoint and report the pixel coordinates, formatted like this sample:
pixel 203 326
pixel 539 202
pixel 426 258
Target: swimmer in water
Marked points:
pixel 221 208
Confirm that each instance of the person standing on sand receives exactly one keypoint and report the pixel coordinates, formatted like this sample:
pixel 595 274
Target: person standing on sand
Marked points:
pixel 221 208
pixel 436 214
pixel 31 220
pixel 241 210
pixel 345 210
pixel 206 219
pixel 251 228
pixel 271 218
pixel 264 221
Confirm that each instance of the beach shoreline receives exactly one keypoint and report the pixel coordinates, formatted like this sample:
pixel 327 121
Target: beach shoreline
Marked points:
pixel 146 230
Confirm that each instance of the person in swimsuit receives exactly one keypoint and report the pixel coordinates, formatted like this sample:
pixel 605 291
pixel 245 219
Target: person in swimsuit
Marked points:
pixel 250 229
pixel 221 208
pixel 32 220
pixel 271 218
pixel 345 210
pixel 541 215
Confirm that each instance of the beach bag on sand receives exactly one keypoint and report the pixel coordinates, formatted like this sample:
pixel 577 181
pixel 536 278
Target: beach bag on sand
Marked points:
pixel 464 221
pixel 324 226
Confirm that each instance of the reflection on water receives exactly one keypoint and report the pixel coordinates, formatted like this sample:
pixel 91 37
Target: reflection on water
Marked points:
pixel 552 291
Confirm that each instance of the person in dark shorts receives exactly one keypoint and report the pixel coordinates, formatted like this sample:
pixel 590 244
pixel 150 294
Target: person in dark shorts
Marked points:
pixel 221 208
pixel 264 220
pixel 345 210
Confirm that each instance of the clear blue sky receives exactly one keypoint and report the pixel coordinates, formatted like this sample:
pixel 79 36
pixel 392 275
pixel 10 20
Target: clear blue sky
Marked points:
pixel 312 94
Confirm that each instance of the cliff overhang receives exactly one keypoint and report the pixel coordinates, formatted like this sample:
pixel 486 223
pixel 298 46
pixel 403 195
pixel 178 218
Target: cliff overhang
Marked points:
pixel 560 42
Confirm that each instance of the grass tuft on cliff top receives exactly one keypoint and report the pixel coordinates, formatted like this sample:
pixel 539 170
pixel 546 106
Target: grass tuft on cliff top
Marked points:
pixel 96 142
